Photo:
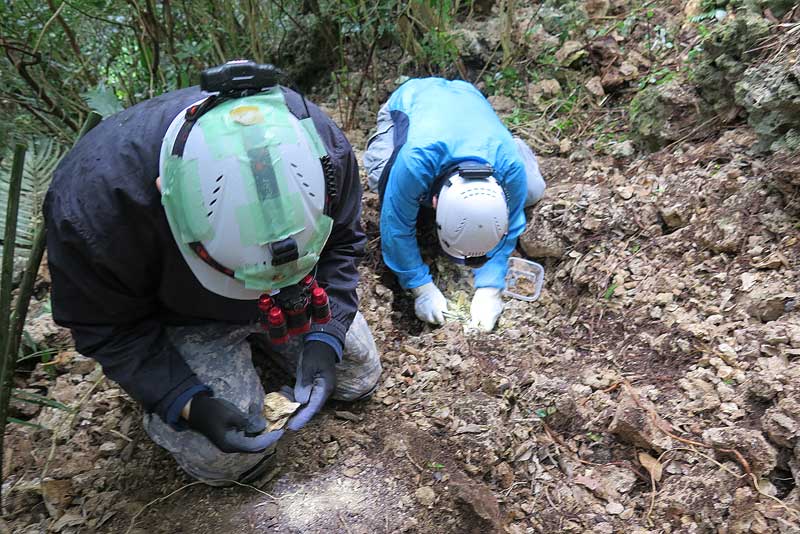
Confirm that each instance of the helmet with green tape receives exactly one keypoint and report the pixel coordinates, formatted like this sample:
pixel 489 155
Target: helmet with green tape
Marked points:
pixel 244 189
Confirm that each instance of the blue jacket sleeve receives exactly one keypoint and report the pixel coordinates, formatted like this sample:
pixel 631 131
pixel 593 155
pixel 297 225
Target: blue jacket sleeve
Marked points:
pixel 493 273
pixel 406 185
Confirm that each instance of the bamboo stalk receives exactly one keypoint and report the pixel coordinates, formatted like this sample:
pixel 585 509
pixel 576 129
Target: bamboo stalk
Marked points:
pixel 10 237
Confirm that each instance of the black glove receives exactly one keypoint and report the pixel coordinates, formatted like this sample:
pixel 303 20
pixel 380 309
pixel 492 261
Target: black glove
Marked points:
pixel 229 428
pixel 316 380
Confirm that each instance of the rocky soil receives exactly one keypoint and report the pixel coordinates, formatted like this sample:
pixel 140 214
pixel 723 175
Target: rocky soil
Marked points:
pixel 654 387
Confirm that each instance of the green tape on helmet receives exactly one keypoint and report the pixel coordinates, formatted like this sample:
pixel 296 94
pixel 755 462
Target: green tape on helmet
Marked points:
pixel 238 125
pixel 268 277
pixel 258 168
pixel 182 198
pixel 316 142
pixel 270 220
pixel 275 213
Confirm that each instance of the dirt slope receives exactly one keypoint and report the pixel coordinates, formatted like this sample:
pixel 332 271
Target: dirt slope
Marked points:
pixel 667 327
pixel 653 388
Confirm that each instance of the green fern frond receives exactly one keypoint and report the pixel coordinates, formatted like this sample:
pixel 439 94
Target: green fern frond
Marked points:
pixel 41 159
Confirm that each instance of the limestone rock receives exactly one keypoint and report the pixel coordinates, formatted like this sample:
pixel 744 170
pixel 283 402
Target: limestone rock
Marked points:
pixel 570 52
pixel 675 215
pixel 550 87
pixel 701 499
pixel 635 422
pixel 278 409
pixel 594 86
pixel 597 8
pixel 749 443
pixel 502 103
pixel 541 241
pixel 782 422
pixel 661 114
pixel 726 54
pixel 771 95
pixel 57 495
pixel 767 302
pixel 480 505
pixel 425 496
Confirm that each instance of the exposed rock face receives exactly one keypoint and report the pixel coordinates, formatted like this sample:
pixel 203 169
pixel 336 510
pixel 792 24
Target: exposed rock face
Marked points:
pixel 661 114
pixel 777 7
pixel 726 57
pixel 771 95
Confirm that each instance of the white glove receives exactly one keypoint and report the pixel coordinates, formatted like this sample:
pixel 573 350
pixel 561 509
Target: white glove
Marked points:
pixel 429 303
pixel 487 304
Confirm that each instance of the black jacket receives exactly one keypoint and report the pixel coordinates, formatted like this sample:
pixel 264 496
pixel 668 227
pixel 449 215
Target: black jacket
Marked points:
pixel 117 275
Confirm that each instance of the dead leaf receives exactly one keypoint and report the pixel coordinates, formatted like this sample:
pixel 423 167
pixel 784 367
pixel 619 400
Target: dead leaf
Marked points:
pixel 594 86
pixel 57 495
pixel 277 425
pixel 653 466
pixel 67 520
pixel 590 483
pixel 748 281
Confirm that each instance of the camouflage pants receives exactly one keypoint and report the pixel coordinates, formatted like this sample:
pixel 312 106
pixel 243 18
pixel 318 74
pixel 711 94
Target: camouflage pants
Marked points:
pixel 220 355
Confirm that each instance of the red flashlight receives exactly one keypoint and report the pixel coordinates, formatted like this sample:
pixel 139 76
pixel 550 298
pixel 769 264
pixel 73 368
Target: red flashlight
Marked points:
pixel 320 309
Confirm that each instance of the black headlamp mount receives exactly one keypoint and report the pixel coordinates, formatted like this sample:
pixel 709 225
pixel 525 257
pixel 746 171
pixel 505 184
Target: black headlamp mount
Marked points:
pixel 240 78
pixel 468 170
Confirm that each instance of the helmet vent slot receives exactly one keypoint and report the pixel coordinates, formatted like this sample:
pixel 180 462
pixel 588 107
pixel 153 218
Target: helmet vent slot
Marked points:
pixel 214 195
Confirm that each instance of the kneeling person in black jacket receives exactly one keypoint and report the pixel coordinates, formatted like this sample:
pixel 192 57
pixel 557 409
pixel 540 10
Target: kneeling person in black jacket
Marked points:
pixel 250 234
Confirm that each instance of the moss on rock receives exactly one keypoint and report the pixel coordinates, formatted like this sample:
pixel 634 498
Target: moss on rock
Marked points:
pixel 560 16
pixel 777 7
pixel 661 114
pixel 770 93
pixel 725 59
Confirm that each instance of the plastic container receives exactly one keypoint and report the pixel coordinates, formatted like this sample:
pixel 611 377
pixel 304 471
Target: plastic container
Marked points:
pixel 524 279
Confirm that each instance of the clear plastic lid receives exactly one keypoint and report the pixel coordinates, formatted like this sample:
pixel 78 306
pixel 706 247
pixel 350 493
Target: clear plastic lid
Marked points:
pixel 524 279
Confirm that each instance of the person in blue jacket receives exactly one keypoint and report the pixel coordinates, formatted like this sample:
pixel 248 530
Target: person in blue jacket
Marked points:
pixel 439 144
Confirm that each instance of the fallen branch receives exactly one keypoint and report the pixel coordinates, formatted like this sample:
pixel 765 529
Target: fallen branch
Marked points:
pixel 415 464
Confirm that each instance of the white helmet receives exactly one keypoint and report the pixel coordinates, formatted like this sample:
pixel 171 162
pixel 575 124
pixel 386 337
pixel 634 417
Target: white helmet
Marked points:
pixel 244 190
pixel 471 213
